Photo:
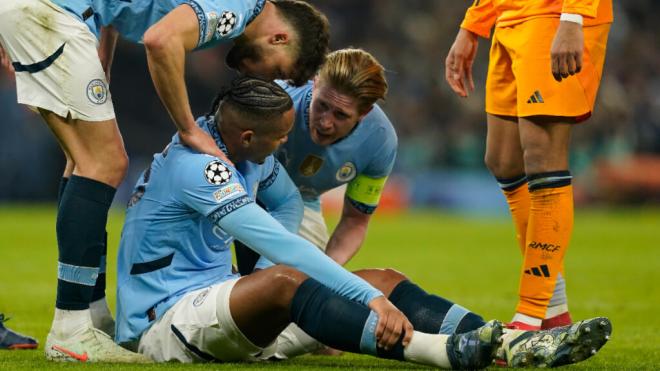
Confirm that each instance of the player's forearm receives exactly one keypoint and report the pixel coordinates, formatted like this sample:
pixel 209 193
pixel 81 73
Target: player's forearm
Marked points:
pixel 346 240
pixel 254 227
pixel 282 198
pixel 166 59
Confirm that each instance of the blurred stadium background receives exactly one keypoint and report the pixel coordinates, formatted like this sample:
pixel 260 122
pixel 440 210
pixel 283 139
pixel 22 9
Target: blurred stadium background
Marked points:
pixel 615 156
pixel 464 246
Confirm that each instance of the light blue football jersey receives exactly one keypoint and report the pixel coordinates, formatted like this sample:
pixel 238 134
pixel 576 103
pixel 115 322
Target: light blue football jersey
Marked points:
pixel 219 20
pixel 369 150
pixel 182 218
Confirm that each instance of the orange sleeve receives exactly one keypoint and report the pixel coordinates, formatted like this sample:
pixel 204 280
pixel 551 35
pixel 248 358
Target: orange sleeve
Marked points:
pixel 480 18
pixel 585 8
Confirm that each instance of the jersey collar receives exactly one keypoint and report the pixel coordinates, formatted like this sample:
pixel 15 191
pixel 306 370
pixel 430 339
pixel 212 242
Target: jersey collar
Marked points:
pixel 258 7
pixel 213 130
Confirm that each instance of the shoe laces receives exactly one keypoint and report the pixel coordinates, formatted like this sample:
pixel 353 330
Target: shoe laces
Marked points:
pixel 3 319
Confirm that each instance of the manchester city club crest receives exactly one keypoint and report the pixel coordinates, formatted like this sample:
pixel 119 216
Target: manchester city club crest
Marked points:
pixel 346 172
pixel 97 91
pixel 310 165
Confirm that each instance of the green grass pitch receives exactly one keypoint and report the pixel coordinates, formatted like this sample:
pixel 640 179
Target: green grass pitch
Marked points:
pixel 613 269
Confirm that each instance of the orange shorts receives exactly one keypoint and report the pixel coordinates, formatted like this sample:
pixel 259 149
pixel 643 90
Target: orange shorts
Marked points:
pixel 520 81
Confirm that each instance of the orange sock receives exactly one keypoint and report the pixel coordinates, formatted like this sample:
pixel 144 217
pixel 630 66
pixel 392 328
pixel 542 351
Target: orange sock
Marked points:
pixel 548 235
pixel 518 199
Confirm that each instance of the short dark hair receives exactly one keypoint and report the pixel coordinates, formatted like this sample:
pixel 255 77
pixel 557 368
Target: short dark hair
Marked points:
pixel 313 32
pixel 254 99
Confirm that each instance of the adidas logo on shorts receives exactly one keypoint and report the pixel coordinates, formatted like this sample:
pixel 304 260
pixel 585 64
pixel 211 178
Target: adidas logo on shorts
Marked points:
pixel 536 98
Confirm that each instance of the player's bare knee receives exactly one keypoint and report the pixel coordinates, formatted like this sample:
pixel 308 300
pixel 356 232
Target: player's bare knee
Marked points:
pixel 117 169
pixel 384 280
pixel 501 166
pixel 285 281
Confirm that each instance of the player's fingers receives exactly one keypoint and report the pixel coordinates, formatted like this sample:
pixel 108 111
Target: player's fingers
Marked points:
pixel 468 75
pixel 387 332
pixel 563 66
pixel 578 62
pixel 571 64
pixel 395 332
pixel 555 67
pixel 457 77
pixel 408 333
pixel 454 73
pixel 380 328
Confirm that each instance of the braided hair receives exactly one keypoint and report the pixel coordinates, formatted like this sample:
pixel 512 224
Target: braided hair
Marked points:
pixel 255 99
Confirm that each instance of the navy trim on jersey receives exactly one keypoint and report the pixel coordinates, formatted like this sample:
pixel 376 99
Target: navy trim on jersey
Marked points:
pixel 258 7
pixel 230 206
pixel 39 66
pixel 205 356
pixel 201 19
pixel 264 184
pixel 150 266
pixel 306 104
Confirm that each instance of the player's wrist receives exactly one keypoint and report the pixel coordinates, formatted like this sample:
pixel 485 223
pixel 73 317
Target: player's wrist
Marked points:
pixel 571 17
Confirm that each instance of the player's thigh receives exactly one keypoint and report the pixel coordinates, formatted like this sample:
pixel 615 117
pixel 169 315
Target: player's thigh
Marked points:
pixel 545 141
pixel 260 302
pixel 538 93
pixel 56 61
pixel 313 228
pixel 501 91
pixel 504 156
pixel 95 148
pixel 199 328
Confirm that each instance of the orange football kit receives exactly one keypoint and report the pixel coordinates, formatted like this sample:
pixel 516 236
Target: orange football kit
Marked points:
pixel 520 83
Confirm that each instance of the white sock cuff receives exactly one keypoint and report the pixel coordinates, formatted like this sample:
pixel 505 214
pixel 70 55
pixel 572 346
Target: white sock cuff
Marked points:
pixel 533 321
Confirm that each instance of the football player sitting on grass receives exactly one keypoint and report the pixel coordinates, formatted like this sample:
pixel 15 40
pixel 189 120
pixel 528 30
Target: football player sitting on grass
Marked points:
pixel 178 299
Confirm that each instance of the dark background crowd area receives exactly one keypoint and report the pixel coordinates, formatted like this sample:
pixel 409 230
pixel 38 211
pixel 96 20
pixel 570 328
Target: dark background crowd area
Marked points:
pixel 437 130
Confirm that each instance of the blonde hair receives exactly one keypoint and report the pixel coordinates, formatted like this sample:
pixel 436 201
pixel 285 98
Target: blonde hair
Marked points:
pixel 357 73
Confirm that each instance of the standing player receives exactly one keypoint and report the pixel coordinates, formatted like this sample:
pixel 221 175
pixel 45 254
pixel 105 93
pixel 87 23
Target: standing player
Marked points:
pixel 546 61
pixel 53 49
pixel 340 136
pixel 188 207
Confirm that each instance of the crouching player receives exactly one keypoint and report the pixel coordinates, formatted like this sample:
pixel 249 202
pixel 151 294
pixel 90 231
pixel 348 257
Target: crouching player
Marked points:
pixel 340 136
pixel 178 299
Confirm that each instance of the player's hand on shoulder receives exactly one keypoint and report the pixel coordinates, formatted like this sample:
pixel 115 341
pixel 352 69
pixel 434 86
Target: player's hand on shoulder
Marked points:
pixel 392 324
pixel 5 61
pixel 201 141
pixel 567 49
pixel 458 64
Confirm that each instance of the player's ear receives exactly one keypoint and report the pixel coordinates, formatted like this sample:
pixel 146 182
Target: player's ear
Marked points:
pixel 279 38
pixel 246 138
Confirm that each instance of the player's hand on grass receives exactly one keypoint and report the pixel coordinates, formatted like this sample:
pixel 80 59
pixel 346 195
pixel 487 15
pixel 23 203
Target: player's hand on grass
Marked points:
pixel 567 49
pixel 391 324
pixel 201 141
pixel 458 65
pixel 5 61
